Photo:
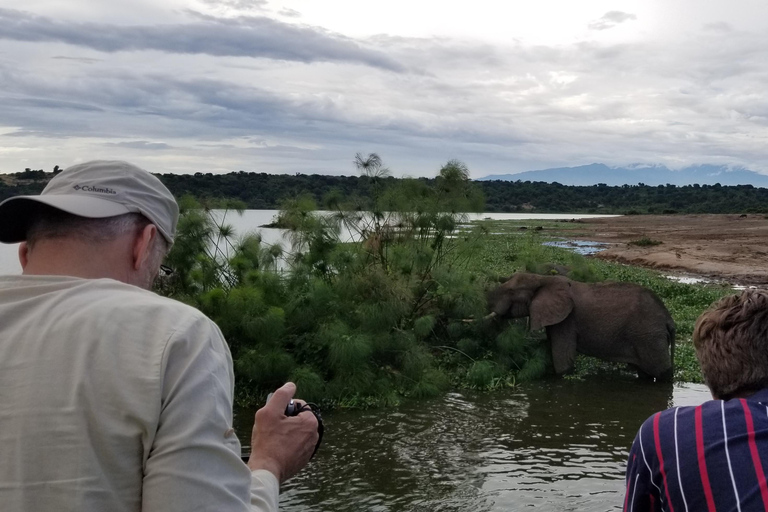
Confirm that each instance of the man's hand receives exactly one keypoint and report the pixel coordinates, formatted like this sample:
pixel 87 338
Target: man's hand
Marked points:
pixel 282 444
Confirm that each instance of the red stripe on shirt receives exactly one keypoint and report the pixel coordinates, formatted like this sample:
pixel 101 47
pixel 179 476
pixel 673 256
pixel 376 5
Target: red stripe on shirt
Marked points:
pixel 755 456
pixel 629 481
pixel 661 459
pixel 626 496
pixel 703 462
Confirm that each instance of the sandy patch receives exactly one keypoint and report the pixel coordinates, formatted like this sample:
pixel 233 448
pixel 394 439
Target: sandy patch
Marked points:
pixel 733 248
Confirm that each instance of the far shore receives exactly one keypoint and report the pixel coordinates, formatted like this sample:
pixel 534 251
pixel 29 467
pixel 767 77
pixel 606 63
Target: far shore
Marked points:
pixel 730 248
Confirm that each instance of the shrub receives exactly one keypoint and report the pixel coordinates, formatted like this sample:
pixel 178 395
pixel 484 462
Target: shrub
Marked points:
pixel 358 321
pixel 481 374
pixel 309 384
pixel 645 242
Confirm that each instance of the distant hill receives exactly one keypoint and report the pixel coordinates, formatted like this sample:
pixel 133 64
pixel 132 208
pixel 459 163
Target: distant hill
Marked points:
pixel 654 175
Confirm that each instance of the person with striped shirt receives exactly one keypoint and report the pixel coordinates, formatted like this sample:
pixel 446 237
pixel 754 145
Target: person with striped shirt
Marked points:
pixel 713 457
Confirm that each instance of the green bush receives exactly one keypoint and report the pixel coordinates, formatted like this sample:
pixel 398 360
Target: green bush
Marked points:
pixel 423 326
pixel 645 242
pixel 309 384
pixel 433 382
pixel 482 374
pixel 360 321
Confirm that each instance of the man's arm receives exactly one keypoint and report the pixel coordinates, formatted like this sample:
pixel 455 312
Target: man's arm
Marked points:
pixel 194 461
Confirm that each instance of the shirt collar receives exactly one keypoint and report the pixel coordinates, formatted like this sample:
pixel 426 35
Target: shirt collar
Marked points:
pixel 760 396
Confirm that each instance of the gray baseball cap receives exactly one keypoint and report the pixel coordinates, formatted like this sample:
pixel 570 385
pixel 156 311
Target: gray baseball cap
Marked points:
pixel 97 189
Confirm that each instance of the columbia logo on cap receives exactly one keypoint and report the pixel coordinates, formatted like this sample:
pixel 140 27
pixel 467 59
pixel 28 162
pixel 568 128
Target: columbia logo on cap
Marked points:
pixel 100 190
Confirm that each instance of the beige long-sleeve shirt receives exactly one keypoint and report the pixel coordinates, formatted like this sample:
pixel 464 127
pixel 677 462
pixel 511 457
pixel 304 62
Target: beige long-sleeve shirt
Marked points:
pixel 113 398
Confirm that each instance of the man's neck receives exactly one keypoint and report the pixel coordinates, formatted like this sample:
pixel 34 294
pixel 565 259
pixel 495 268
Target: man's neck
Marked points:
pixel 67 258
pixel 741 393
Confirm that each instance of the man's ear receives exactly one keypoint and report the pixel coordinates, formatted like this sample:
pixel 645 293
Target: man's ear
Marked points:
pixel 23 254
pixel 142 245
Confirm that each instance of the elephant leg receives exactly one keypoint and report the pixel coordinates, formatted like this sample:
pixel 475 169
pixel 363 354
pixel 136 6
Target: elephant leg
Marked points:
pixel 562 337
pixel 667 375
pixel 654 359
pixel 643 375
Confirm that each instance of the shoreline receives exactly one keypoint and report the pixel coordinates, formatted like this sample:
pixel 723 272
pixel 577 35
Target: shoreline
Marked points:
pixel 722 248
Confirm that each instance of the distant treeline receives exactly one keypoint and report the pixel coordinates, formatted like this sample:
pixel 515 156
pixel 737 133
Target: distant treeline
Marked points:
pixel 268 191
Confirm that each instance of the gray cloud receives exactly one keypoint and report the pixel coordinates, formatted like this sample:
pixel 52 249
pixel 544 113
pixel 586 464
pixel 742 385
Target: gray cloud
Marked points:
pixel 139 144
pixel 680 98
pixel 237 5
pixel 163 107
pixel 245 36
pixel 289 13
pixel 203 106
pixel 611 19
pixel 43 134
pixel 83 60
pixel 55 104
pixel 719 26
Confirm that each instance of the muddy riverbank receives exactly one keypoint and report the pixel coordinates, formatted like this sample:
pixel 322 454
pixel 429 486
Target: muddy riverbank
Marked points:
pixel 732 248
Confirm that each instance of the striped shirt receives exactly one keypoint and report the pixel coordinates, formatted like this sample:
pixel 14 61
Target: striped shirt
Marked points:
pixel 713 457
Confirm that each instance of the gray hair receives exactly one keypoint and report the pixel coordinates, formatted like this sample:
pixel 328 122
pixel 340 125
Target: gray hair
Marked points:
pixel 49 223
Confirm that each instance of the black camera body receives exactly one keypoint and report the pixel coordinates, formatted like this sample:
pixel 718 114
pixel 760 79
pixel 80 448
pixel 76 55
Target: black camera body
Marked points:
pixel 290 409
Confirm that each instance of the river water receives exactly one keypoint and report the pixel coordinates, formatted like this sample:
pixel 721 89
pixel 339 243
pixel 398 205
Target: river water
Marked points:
pixel 251 220
pixel 555 445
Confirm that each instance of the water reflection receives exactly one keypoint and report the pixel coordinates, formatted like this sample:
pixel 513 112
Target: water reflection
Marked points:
pixel 578 246
pixel 555 445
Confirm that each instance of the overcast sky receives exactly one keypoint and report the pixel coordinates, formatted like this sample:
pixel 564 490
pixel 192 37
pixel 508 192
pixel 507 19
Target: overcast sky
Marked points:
pixel 292 86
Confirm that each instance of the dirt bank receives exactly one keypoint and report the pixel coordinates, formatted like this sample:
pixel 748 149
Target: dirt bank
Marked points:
pixel 732 248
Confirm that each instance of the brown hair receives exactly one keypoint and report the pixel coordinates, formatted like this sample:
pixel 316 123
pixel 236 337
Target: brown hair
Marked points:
pixel 731 341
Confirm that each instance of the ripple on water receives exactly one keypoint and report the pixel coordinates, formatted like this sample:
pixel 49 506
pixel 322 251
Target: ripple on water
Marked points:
pixel 554 445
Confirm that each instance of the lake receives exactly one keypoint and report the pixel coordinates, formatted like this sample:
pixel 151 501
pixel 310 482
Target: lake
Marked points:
pixel 252 219
pixel 553 445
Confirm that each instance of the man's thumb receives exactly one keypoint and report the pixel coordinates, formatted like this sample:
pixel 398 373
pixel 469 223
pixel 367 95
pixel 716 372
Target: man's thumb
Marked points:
pixel 282 396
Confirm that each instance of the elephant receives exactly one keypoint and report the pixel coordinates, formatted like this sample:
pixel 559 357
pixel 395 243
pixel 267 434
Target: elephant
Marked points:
pixel 619 322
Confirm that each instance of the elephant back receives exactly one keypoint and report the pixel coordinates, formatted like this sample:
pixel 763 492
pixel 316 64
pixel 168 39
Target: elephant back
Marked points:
pixel 626 320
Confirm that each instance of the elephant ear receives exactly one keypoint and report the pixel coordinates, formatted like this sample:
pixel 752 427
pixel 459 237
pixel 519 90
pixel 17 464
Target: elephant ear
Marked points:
pixel 551 304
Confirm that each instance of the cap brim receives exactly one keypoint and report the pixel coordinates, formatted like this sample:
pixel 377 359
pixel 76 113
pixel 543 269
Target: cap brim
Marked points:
pixel 16 212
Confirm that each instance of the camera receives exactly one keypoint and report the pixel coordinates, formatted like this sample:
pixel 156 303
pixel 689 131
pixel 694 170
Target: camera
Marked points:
pixel 294 409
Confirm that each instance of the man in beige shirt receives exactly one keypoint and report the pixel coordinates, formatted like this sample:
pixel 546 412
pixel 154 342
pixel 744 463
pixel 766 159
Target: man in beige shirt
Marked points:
pixel 113 398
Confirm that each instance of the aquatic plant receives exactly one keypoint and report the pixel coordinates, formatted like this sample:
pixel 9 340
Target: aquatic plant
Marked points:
pixel 361 319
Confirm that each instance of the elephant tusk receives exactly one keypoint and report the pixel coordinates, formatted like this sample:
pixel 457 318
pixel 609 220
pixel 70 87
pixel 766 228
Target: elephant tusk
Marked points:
pixel 490 315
